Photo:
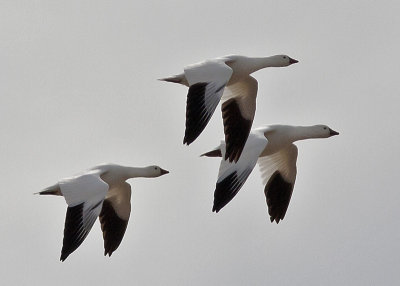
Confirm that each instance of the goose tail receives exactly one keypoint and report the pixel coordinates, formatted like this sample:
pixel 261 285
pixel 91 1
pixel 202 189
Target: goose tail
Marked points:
pixel 212 153
pixel 52 190
pixel 179 78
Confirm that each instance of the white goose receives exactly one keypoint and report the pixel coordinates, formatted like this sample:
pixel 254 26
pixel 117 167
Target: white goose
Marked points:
pixel 272 147
pixel 98 192
pixel 207 81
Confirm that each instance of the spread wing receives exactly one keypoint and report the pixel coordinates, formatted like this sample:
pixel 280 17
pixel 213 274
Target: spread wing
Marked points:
pixel 207 81
pixel 238 109
pixel 232 175
pixel 84 195
pixel 114 216
pixel 279 175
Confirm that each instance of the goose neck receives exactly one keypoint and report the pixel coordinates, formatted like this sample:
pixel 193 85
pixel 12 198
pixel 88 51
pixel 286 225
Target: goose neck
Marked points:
pixel 304 132
pixel 133 172
pixel 263 62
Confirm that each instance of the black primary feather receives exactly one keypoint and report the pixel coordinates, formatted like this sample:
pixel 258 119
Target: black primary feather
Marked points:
pixel 278 193
pixel 236 129
pixel 113 228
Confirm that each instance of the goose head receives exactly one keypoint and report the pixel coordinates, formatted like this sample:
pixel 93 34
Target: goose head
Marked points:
pixel 283 60
pixel 156 171
pixel 324 131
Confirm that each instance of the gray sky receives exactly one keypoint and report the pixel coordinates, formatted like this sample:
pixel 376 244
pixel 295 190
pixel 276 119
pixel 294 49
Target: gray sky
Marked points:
pixel 78 87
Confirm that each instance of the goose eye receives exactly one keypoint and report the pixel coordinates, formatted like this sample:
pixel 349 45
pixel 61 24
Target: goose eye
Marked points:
pixel 324 128
pixel 284 57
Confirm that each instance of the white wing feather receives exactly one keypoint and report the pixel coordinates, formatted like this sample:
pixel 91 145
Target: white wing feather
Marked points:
pixel 232 175
pixel 254 146
pixel 208 71
pixel 83 188
pixel 88 189
pixel 283 161
pixel 207 82
pixel 245 93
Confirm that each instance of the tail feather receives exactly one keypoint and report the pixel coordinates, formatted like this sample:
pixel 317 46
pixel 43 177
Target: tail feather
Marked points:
pixel 213 153
pixel 53 190
pixel 55 193
pixel 180 78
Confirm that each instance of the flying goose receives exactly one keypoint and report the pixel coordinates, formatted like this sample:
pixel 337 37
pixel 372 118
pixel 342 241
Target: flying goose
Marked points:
pixel 98 192
pixel 207 81
pixel 273 149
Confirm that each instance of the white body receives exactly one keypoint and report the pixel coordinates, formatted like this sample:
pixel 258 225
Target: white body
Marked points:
pixel 227 78
pixel 272 147
pixel 99 191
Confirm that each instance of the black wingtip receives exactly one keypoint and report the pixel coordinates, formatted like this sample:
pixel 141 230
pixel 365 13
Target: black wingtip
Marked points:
pixel 215 210
pixel 187 140
pixel 197 116
pixel 233 157
pixel 236 129
pixel 192 131
pixel 277 220
pixel 63 257
pixel 74 234
pixel 227 189
pixel 113 228
pixel 278 193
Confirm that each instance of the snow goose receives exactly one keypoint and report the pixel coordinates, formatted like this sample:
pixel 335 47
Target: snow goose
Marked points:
pixel 98 192
pixel 272 147
pixel 207 81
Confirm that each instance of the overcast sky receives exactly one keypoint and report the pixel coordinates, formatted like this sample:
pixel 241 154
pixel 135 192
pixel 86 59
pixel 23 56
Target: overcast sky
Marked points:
pixel 78 87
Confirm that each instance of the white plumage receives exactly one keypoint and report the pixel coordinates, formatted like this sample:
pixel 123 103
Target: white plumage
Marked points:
pixel 207 81
pixel 98 192
pixel 272 147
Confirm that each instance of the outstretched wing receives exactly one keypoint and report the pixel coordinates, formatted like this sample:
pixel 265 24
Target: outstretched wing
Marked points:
pixel 114 216
pixel 84 196
pixel 232 175
pixel 207 81
pixel 238 109
pixel 279 175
